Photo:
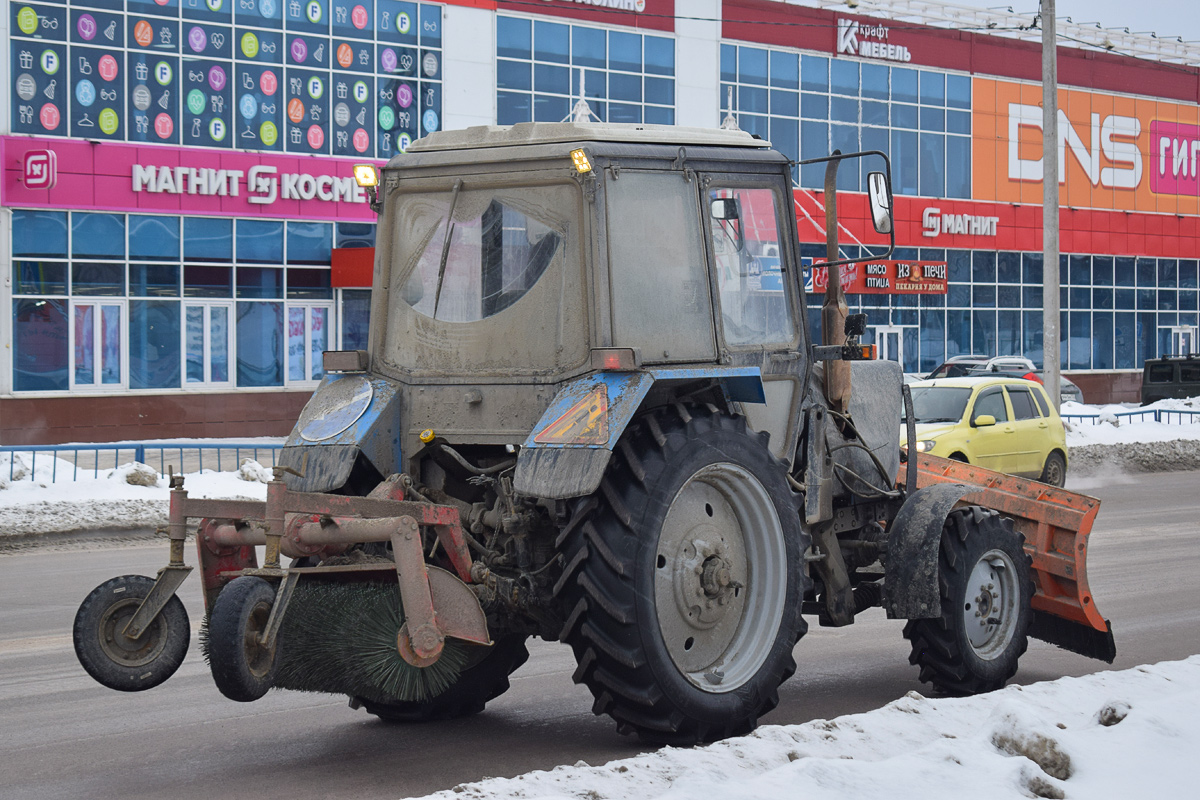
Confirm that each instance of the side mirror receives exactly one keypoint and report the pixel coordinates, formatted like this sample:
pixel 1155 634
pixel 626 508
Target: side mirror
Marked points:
pixel 881 202
pixel 983 421
pixel 725 209
pixel 728 212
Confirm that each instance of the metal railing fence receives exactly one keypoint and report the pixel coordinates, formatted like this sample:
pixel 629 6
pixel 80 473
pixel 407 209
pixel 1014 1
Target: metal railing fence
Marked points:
pixel 1166 415
pixel 93 458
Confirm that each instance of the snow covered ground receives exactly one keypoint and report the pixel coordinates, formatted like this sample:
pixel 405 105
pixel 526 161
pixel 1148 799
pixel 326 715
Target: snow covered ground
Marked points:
pixel 1108 736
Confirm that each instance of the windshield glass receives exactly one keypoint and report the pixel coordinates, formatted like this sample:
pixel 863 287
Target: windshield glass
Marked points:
pixel 939 403
pixel 483 261
pixel 484 278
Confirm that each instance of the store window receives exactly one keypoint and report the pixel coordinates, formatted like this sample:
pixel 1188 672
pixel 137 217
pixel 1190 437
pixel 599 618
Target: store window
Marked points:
pixel 543 67
pixel 920 117
pixel 144 302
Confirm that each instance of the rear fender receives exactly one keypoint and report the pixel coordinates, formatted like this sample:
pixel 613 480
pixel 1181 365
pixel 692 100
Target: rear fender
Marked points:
pixel 561 471
pixel 910 586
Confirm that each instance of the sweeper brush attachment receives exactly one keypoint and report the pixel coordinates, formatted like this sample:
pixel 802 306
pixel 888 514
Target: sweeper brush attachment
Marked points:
pixel 340 637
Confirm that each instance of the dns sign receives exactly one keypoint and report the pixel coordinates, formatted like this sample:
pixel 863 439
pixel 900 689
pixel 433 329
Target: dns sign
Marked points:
pixel 41 169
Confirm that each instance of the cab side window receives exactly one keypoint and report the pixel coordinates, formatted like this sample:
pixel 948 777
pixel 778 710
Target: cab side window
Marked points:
pixel 991 402
pixel 1022 403
pixel 745 242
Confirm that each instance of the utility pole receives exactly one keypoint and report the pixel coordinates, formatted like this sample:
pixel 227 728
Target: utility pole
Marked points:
pixel 1050 278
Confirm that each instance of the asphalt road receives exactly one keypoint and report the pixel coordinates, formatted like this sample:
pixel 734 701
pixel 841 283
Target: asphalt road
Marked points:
pixel 64 736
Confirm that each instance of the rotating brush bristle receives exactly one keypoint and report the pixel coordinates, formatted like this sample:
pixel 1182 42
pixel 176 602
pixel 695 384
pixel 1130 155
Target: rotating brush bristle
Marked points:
pixel 340 637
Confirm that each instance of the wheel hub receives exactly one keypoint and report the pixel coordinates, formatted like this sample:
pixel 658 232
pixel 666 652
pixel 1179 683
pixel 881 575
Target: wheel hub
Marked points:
pixel 990 611
pixel 715 577
pixel 121 648
pixel 703 577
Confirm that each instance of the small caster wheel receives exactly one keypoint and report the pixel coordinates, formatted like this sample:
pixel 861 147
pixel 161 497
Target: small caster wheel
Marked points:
pixel 243 669
pixel 115 660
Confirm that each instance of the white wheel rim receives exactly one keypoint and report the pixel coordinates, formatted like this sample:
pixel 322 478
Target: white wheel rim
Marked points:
pixel 990 604
pixel 720 578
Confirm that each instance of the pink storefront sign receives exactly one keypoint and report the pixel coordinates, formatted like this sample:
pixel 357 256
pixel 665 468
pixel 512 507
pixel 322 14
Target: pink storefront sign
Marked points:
pixel 1174 158
pixel 101 176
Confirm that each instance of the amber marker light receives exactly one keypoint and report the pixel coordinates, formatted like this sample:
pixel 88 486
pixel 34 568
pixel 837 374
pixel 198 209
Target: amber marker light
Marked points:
pixel 580 159
pixel 366 176
pixel 584 423
pixel 426 436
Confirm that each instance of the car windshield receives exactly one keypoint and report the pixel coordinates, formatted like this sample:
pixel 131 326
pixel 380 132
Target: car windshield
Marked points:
pixel 939 403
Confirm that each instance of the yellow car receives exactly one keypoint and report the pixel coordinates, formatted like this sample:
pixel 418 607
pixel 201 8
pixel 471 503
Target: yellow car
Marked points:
pixel 1005 424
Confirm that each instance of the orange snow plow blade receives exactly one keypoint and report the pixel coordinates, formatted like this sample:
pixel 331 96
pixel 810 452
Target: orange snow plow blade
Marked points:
pixel 1056 525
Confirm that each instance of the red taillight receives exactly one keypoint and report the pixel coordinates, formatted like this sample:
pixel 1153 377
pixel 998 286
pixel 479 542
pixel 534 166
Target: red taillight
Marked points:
pixel 615 359
pixel 1032 376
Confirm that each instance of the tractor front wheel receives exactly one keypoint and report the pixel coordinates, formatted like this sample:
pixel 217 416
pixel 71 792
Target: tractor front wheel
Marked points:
pixel 986 589
pixel 111 657
pixel 243 669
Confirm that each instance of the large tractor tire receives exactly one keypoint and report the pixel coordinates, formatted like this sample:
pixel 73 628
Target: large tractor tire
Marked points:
pixel 481 682
pixel 986 589
pixel 684 578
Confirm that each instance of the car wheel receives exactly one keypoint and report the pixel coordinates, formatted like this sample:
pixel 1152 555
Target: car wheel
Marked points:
pixel 1055 471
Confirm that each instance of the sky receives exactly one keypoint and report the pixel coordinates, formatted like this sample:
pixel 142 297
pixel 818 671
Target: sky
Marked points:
pixel 1167 18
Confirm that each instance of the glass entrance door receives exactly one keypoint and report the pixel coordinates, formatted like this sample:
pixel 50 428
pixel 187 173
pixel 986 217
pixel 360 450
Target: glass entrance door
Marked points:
pixel 1183 341
pixel 898 343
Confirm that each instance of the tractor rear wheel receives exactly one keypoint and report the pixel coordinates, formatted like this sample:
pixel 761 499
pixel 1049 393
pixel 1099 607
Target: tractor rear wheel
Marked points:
pixel 986 589
pixel 684 579
pixel 485 679
pixel 243 669
pixel 115 660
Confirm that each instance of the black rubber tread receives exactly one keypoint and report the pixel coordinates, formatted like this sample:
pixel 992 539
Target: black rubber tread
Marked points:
pixel 606 590
pixel 479 684
pixel 227 657
pixel 939 645
pixel 169 634
pixel 1048 477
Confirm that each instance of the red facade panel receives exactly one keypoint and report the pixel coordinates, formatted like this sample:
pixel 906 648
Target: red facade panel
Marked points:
pixel 776 23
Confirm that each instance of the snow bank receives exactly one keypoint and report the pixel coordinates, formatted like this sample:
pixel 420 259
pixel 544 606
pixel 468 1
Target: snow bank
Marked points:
pixel 130 497
pixel 1108 736
pixel 1119 444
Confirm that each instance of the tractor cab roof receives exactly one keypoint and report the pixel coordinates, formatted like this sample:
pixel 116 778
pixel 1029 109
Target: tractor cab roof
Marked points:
pixel 537 133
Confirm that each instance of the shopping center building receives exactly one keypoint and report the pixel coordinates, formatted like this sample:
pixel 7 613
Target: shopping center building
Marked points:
pixel 180 236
